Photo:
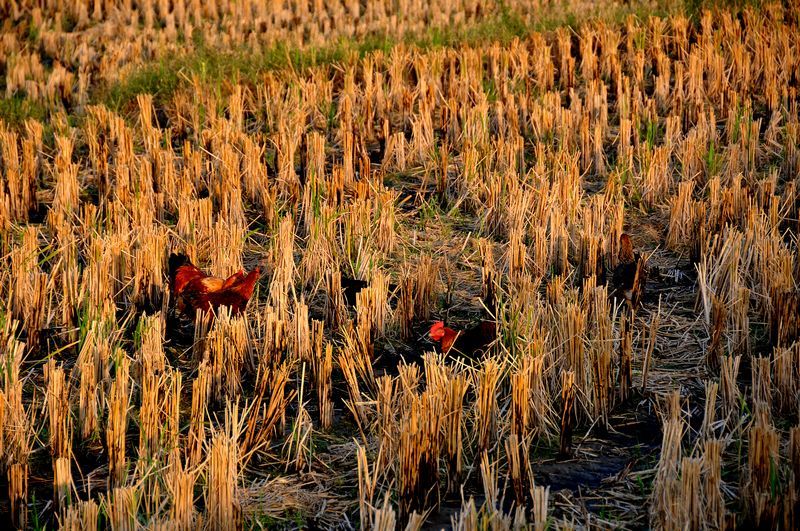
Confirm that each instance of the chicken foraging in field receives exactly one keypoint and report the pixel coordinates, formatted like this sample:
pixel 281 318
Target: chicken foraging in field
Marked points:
pixel 470 343
pixel 194 290
pixel 630 274
pixel 351 287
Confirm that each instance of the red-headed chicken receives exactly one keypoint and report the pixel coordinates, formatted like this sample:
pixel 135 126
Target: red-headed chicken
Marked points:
pixel 470 343
pixel 193 290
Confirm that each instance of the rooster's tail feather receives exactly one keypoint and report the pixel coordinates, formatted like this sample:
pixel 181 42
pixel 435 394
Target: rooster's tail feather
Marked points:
pixel 175 261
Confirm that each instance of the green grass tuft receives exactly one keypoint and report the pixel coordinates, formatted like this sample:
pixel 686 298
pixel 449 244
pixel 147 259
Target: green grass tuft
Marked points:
pixel 163 77
pixel 15 110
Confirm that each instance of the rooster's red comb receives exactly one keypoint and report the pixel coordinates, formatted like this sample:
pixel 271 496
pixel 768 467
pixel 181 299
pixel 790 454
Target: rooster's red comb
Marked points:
pixel 437 326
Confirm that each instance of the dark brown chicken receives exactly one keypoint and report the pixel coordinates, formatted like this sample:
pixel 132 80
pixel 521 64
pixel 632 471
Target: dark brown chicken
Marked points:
pixel 470 343
pixel 630 274
pixel 194 290
pixel 351 287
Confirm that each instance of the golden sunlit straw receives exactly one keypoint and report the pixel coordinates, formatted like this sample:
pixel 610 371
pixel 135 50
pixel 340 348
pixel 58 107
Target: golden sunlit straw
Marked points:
pixel 254 256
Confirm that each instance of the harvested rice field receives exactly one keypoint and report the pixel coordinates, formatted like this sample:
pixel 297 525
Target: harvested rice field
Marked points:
pixel 369 264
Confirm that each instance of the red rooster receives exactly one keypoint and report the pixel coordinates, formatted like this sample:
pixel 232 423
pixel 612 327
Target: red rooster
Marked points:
pixel 194 290
pixel 470 343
